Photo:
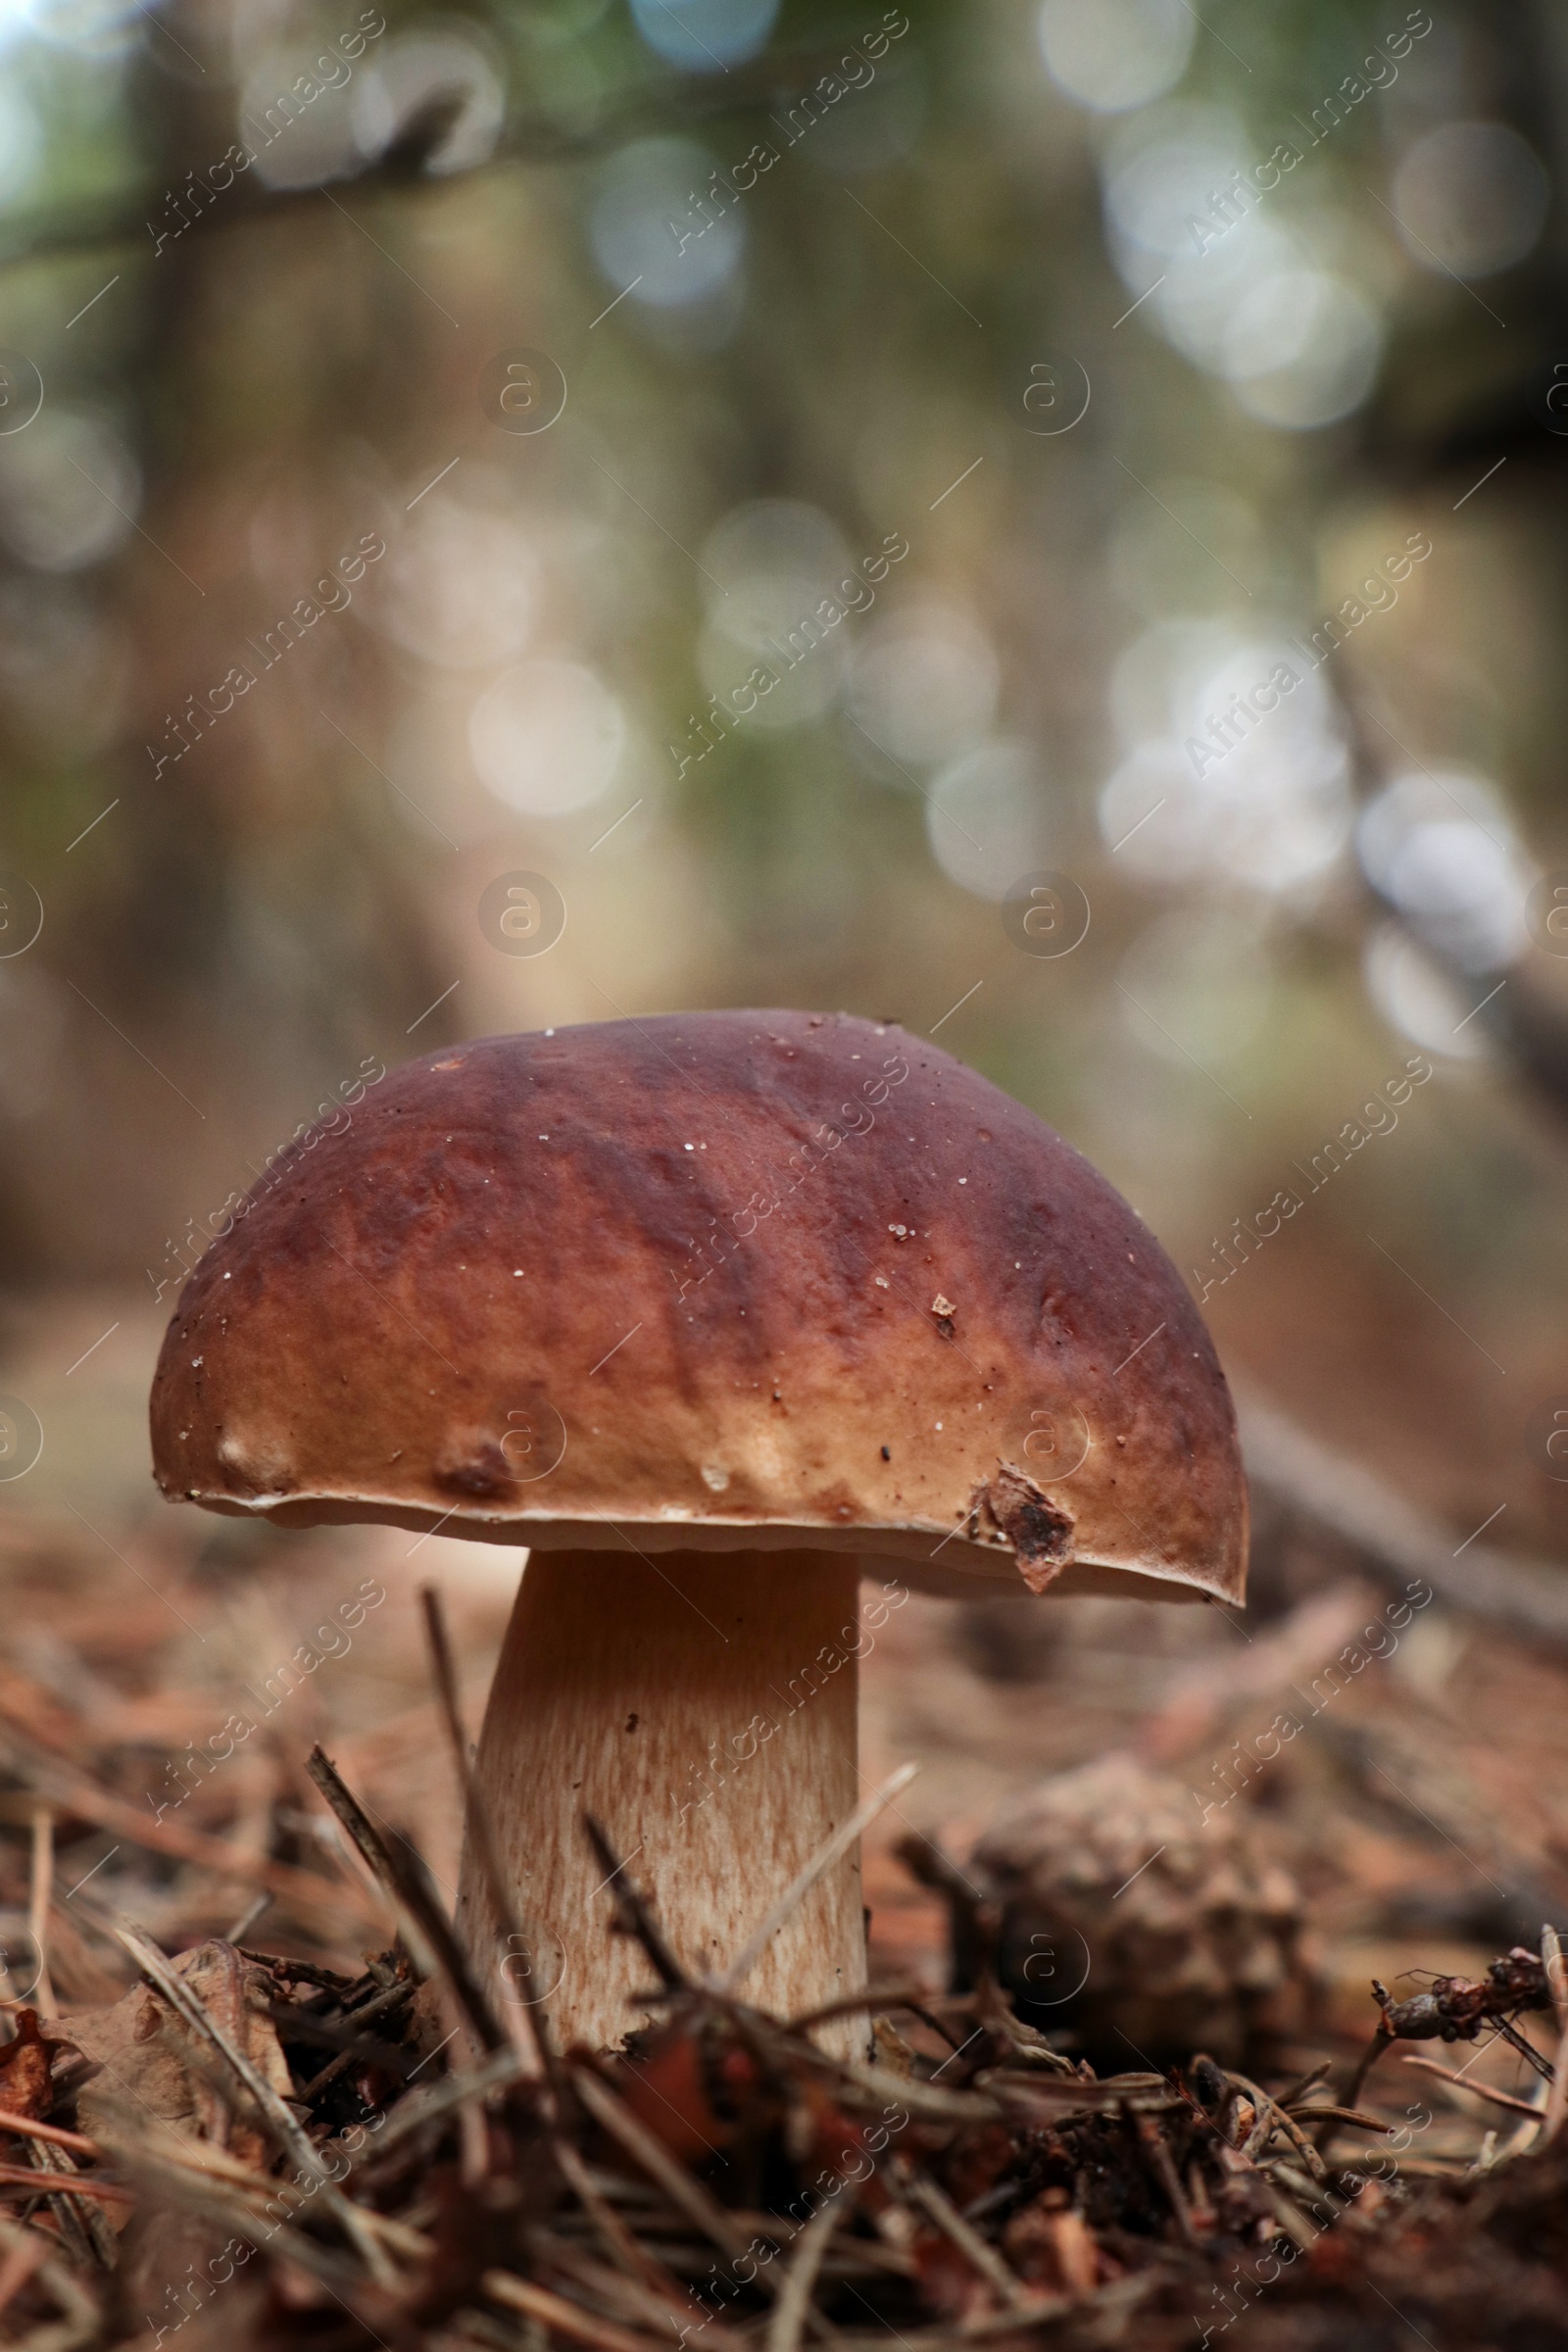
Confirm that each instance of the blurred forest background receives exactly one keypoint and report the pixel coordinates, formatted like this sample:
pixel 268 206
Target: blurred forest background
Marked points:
pixel 502 306
pixel 250 366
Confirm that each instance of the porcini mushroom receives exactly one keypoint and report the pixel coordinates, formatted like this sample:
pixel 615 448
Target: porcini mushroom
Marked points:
pixel 711 1313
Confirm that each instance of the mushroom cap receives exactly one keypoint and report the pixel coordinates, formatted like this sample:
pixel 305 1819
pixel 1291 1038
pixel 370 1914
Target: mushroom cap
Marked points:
pixel 727 1280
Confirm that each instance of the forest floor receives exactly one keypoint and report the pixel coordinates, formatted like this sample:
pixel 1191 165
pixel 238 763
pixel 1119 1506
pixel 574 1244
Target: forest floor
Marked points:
pixel 1420 1804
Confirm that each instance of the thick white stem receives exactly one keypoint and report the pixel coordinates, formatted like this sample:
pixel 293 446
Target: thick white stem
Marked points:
pixel 703 1709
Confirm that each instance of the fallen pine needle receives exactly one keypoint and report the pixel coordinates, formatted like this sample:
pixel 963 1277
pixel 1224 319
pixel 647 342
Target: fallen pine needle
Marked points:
pixel 566 2318
pixel 52 2184
pixel 26 2128
pixel 1482 2091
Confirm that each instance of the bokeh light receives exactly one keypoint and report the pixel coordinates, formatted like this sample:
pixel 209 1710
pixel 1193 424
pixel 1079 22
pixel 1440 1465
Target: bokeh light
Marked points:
pixel 987 818
pixel 1417 997
pixel 548 738
pixel 1303 348
pixel 1114 54
pixel 1441 847
pixel 704 37
pixel 451 75
pixel 657 227
pixel 22 142
pixel 1264 802
pixel 459 587
pixel 1471 196
pixel 295 142
pixel 1159 173
pixel 924 682
pixel 1229 278
pixel 95 28
pixel 68 490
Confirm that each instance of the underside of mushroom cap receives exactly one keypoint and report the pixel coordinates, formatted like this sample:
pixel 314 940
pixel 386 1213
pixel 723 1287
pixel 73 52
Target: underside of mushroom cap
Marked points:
pixel 727 1280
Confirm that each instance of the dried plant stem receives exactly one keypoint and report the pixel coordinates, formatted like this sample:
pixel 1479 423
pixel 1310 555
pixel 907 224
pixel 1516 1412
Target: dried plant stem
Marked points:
pixel 390 1996
pixel 195 2189
pixel 632 1914
pixel 81 2223
pixel 1269 2108
pixel 434 2100
pixel 875 1996
pixel 1555 1965
pixel 411 1897
pixel 831 1850
pixel 303 1889
pixel 41 1883
pixel 563 2318
pixel 41 2181
pixel 677 2313
pixel 1479 2091
pixel 623 2247
pixel 610 2110
pixel 799 2279
pixel 82 2315
pixel 981 2258
pixel 26 2128
pixel 1154 2142
pixel 477 1828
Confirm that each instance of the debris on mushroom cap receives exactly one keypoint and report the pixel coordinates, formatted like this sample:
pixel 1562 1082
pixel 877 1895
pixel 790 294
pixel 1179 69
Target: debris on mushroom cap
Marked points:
pixel 1023 1516
pixel 379 1361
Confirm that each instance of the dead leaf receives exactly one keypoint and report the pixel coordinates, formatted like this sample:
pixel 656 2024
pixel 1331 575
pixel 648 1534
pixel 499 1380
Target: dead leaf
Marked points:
pixel 26 2085
pixel 146 2058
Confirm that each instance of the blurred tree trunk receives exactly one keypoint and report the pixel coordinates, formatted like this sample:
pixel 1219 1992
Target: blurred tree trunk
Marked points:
pixel 248 912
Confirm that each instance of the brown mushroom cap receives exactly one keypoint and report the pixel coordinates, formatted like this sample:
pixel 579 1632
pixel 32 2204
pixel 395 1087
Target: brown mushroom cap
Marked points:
pixel 726 1280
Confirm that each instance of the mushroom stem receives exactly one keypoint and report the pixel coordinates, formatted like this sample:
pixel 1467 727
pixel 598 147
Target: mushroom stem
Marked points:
pixel 702 1708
